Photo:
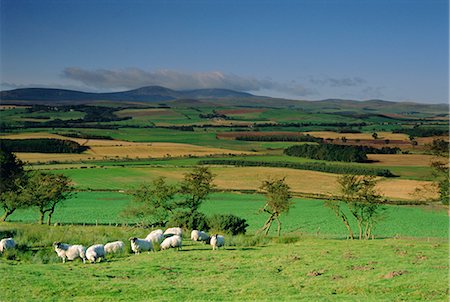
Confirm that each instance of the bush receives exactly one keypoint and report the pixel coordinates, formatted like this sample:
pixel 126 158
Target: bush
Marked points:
pixel 228 223
pixel 186 220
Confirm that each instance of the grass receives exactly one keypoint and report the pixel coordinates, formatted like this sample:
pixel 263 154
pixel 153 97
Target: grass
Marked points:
pixel 307 216
pixel 273 270
pixel 228 178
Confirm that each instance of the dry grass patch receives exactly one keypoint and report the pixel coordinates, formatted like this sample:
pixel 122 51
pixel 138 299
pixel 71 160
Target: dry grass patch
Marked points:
pixel 402 159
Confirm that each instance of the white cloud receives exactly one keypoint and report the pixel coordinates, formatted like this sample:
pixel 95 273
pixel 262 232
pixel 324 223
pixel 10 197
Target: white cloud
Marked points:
pixel 131 78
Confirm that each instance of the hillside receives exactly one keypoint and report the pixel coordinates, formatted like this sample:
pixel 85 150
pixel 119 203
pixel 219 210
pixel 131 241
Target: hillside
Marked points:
pixel 215 97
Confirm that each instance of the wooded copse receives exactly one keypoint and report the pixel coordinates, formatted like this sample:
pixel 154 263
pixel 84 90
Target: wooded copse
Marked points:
pixel 42 145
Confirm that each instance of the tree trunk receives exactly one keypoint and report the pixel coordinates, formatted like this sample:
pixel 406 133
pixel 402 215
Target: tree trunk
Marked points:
pixel 347 225
pixel 41 217
pixel 6 214
pixel 49 219
pixel 279 226
pixel 360 229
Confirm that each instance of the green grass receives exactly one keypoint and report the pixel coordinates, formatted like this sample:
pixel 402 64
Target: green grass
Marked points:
pixel 307 216
pixel 298 268
pixel 135 167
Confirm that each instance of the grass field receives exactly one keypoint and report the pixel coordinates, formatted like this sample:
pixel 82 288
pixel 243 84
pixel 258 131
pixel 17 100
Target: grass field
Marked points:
pixel 307 216
pixel 233 178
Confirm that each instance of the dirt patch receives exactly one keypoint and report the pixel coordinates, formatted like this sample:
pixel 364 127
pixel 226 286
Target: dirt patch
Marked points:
pixel 393 274
pixel 315 273
pixel 361 267
pixel 398 160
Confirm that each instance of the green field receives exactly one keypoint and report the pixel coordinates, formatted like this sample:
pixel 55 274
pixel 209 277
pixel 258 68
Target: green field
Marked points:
pixel 285 269
pixel 308 216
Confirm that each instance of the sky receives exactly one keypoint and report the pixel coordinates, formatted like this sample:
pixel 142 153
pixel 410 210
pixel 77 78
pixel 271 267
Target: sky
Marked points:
pixel 306 49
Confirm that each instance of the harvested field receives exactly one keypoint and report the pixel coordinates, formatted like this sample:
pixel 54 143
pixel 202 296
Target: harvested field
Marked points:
pixel 240 111
pixel 114 149
pixel 311 182
pixel 402 159
pixel 360 136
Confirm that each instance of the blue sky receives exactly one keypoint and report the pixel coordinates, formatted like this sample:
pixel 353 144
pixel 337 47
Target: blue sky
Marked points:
pixel 305 49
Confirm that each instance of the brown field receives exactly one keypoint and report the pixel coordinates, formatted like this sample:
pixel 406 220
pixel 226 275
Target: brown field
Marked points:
pixel 311 182
pixel 403 159
pixel 146 112
pixel 233 135
pixel 360 136
pixel 113 149
pixel 240 111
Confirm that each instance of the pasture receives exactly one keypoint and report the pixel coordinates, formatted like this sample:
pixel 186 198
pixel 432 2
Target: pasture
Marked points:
pixel 308 216
pixel 234 178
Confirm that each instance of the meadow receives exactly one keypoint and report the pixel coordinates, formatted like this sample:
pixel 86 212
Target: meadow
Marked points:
pixel 308 216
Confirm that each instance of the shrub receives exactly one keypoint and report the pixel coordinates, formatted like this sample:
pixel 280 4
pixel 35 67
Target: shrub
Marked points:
pixel 228 223
pixel 186 220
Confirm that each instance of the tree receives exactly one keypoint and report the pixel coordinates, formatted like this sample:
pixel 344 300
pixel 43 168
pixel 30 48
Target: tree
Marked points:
pixel 12 182
pixel 153 202
pixel 46 191
pixel 439 148
pixel 278 201
pixel 364 205
pixel 195 188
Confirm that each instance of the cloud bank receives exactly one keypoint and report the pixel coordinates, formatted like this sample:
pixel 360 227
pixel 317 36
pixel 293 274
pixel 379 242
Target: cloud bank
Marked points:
pixel 131 78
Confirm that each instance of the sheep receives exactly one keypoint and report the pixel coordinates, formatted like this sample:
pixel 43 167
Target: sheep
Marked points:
pixel 7 243
pixel 199 236
pixel 155 236
pixel 172 242
pixel 174 231
pixel 140 245
pixel 114 247
pixel 217 241
pixel 69 252
pixel 94 252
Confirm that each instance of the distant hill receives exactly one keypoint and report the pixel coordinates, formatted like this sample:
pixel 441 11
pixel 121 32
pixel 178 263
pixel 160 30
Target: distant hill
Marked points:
pixel 144 94
pixel 214 97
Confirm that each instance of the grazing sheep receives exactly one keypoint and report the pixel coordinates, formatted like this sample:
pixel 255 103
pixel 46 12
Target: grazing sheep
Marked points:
pixel 114 247
pixel 172 242
pixel 95 252
pixel 217 241
pixel 155 236
pixel 174 231
pixel 6 244
pixel 69 252
pixel 199 236
pixel 140 245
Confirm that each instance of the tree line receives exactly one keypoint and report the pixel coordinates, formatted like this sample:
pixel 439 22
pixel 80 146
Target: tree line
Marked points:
pixel 422 131
pixel 320 167
pixel 332 152
pixel 42 145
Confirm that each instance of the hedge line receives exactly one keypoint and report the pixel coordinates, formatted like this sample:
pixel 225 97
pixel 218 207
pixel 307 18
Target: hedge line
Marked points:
pixel 321 167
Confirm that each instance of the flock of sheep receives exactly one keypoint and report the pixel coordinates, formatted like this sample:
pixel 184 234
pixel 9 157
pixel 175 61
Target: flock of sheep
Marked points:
pixel 171 238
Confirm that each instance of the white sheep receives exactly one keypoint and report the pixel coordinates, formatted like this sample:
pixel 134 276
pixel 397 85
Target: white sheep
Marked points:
pixel 172 242
pixel 140 245
pixel 69 252
pixel 94 252
pixel 217 241
pixel 199 236
pixel 6 244
pixel 155 236
pixel 114 247
pixel 174 231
